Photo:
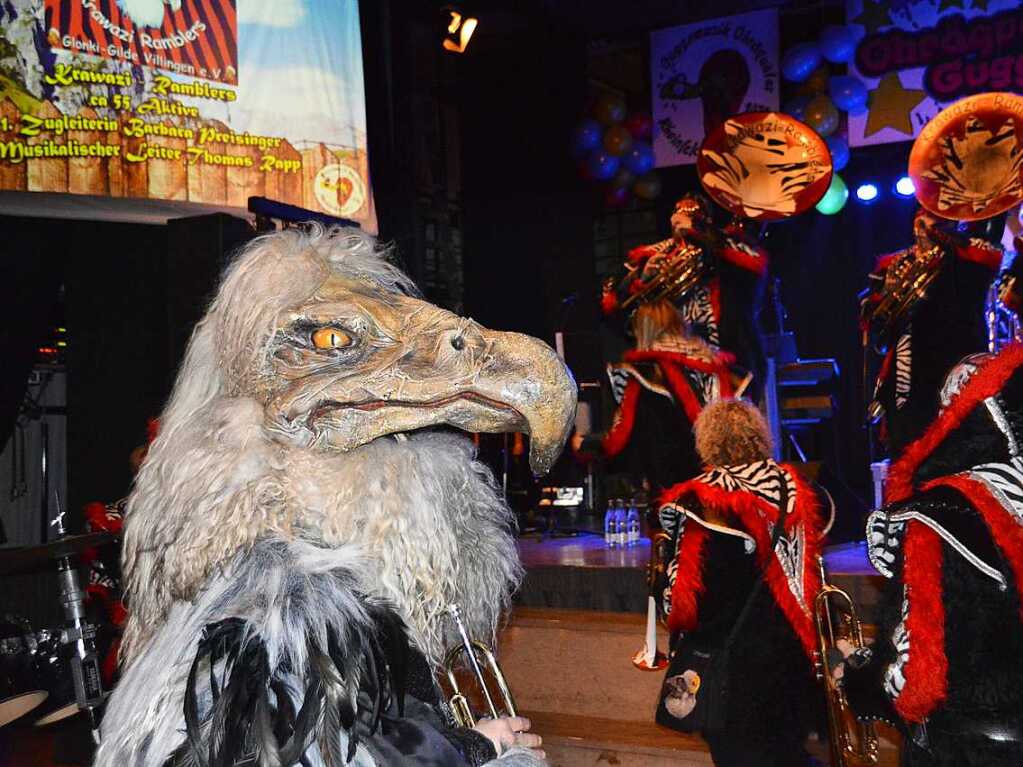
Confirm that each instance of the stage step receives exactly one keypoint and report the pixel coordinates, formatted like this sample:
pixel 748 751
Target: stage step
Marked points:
pixel 579 662
pixel 582 741
pixel 571 672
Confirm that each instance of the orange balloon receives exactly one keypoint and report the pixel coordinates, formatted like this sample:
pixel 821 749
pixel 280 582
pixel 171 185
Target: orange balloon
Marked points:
pixel 647 186
pixel 617 140
pixel 821 115
pixel 817 82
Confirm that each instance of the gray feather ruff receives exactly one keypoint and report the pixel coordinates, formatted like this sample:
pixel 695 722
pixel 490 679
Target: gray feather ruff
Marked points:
pixel 287 591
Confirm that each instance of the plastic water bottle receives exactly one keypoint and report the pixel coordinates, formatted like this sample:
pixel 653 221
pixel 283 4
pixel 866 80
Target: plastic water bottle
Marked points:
pixel 632 523
pixel 610 534
pixel 621 534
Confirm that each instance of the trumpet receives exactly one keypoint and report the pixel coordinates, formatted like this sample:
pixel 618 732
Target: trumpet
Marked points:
pixel 851 743
pixel 476 653
pixel 683 270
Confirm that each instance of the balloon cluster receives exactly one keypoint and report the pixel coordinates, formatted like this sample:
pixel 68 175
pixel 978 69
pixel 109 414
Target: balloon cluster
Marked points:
pixel 613 148
pixel 821 97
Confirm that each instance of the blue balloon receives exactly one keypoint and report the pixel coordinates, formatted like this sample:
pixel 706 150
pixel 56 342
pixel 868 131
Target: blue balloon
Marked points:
pixel 602 165
pixel 796 107
pixel 839 149
pixel 587 136
pixel 799 61
pixel 848 93
pixel 838 44
pixel 640 158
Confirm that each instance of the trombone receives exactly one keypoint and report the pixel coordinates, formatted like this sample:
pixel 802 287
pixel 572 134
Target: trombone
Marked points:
pixel 475 652
pixel 852 743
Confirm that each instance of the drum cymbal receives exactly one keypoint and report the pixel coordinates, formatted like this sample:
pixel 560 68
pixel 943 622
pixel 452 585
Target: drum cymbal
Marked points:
pixel 967 162
pixel 764 165
pixel 31 559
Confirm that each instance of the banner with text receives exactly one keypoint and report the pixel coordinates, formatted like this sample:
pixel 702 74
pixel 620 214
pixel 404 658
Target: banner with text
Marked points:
pixel 703 73
pixel 202 101
pixel 917 57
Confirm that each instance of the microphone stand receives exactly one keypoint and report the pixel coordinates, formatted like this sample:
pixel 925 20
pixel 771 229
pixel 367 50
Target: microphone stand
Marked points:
pixel 80 634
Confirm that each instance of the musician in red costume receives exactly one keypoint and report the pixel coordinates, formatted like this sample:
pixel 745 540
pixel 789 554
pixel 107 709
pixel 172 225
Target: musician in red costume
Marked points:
pixel 723 523
pixel 721 303
pixel 922 341
pixel 946 666
pixel 660 387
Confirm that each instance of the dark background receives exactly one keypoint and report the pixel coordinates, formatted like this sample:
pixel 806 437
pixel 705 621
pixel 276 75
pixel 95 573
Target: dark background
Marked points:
pixel 476 187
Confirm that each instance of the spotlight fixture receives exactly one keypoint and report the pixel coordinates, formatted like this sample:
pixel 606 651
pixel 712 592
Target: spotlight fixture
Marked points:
pixel 904 187
pixel 867 192
pixel 458 29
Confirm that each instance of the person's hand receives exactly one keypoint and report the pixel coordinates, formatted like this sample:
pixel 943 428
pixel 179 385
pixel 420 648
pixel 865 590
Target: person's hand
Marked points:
pixel 847 648
pixel 510 731
pixel 576 442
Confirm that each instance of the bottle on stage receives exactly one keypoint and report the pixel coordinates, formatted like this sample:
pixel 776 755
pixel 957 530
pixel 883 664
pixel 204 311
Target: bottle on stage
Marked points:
pixel 632 524
pixel 610 533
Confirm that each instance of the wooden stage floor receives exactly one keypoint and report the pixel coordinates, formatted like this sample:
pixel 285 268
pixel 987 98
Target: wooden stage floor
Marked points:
pixel 582 573
pixel 589 550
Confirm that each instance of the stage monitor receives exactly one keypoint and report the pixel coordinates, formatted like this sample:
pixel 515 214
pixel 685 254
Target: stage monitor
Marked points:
pixel 114 106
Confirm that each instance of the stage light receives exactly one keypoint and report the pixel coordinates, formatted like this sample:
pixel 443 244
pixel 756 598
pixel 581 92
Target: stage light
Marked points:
pixel 904 187
pixel 867 192
pixel 458 29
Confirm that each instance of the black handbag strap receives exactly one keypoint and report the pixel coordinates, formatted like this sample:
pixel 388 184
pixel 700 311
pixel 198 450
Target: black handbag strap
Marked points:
pixel 783 506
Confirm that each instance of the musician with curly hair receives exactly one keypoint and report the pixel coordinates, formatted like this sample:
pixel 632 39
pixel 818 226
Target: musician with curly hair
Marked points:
pixel 740 591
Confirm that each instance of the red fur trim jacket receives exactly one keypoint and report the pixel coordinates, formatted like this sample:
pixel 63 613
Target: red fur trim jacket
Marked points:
pixel 651 430
pixel 951 631
pixel 748 497
pixel 770 671
pixel 723 308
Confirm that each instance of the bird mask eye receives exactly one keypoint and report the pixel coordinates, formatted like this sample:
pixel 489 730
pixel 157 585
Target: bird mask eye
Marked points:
pixel 331 338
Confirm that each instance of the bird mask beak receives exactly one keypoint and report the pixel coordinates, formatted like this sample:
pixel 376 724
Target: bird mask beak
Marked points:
pixel 356 367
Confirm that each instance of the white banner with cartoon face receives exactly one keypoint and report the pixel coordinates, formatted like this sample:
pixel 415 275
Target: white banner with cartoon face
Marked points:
pixel 703 73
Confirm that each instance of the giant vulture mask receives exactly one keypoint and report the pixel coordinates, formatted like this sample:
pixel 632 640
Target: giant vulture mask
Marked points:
pixel 304 408
pixel 353 363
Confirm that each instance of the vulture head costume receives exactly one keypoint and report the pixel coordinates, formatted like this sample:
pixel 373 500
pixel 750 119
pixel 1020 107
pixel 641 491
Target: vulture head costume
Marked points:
pixel 307 514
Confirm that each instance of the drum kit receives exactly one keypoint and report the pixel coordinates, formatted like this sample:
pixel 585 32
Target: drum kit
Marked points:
pixel 51 673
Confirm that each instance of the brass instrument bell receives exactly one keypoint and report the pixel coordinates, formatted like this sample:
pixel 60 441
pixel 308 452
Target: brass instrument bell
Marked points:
pixel 476 653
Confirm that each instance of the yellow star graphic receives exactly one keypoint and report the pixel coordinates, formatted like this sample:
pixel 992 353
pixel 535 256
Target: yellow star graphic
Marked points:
pixel 891 106
pixel 873 16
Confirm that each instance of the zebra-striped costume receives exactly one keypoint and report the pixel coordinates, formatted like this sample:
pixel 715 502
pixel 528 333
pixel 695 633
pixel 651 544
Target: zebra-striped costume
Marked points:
pixel 948 650
pixel 720 308
pixel 943 325
pixel 750 497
